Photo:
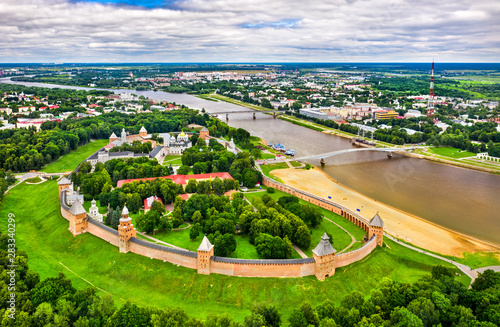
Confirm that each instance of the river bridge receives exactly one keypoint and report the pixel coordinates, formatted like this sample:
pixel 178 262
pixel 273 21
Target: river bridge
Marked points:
pixel 322 156
pixel 274 112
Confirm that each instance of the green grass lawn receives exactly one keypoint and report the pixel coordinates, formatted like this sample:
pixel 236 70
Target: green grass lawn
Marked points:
pixel 43 234
pixel 172 159
pixel 268 156
pixel 451 152
pixel 34 180
pixel 295 163
pixel 266 169
pixel 70 161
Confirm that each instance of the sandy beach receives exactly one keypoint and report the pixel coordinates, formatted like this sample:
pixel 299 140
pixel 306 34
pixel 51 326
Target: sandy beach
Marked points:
pixel 397 223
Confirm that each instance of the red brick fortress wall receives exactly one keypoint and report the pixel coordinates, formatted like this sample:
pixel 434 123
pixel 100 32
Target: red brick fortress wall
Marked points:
pixel 347 258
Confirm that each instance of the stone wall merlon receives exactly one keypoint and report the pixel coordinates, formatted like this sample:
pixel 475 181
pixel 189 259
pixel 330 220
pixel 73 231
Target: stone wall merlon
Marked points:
pixel 263 261
pixel 164 248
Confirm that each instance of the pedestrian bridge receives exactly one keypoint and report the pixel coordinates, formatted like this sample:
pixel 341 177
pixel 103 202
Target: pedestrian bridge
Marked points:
pixel 336 153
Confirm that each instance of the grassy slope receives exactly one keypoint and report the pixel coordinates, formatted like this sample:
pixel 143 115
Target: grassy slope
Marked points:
pixel 451 152
pixel 43 233
pixel 69 161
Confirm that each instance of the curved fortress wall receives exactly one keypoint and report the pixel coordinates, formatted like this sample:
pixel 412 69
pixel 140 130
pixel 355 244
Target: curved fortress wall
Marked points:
pixel 205 262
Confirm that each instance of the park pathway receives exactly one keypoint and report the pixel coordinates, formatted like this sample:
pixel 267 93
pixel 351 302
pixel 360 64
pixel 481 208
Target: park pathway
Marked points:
pixel 353 240
pixel 300 252
pixel 483 269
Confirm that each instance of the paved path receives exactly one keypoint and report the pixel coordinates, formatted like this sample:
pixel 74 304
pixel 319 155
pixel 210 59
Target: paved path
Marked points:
pixel 483 269
pixel 300 252
pixel 463 268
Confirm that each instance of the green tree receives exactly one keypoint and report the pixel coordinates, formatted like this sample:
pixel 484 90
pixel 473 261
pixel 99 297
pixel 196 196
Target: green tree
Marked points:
pixel 224 245
pixel 485 280
pixel 303 237
pixel 297 319
pixel 183 170
pixel 402 317
pixel 158 207
pixel 194 232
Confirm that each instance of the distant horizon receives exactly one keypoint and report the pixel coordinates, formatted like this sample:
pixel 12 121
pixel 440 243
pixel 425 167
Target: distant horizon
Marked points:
pixel 245 62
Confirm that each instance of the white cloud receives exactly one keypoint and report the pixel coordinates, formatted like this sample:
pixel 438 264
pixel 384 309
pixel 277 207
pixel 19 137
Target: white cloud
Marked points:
pixel 253 30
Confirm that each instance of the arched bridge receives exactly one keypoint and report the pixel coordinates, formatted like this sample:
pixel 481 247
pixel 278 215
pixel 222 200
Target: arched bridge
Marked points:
pixel 275 113
pixel 322 156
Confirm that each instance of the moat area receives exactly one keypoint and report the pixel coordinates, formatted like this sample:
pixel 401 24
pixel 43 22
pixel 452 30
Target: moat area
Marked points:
pixel 462 200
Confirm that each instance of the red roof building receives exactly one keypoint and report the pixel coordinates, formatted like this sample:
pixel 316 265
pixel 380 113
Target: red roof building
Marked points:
pixel 178 179
pixel 148 202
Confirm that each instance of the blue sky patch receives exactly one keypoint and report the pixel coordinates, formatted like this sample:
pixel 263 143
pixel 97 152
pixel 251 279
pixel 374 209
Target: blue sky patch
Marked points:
pixel 137 3
pixel 286 23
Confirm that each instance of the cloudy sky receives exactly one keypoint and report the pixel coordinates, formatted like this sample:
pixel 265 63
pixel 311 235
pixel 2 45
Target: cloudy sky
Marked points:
pixel 249 31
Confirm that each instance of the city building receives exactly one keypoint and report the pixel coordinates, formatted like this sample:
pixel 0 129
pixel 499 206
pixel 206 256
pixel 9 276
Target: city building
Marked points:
pixel 384 114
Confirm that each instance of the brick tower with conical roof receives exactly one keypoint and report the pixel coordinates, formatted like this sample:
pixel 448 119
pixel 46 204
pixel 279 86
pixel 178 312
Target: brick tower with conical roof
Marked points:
pixel 377 228
pixel 78 222
pixel 205 253
pixel 324 256
pixel 125 231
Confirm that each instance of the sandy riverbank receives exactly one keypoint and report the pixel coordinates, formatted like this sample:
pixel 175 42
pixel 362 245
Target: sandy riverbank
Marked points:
pixel 400 224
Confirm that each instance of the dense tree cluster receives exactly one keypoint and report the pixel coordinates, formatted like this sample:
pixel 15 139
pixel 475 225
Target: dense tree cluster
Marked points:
pixel 214 216
pixel 25 149
pixel 436 300
pixel 134 193
pixel 136 147
pixel 274 229
pixel 108 174
pixel 215 158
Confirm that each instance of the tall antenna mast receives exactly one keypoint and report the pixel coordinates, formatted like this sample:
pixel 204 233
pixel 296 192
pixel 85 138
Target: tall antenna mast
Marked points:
pixel 430 104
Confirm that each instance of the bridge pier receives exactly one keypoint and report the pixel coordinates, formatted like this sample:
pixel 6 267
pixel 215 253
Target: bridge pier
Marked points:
pixel 389 155
pixel 274 115
pixel 254 115
pixel 227 116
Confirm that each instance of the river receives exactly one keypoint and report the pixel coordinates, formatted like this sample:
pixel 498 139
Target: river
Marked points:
pixel 462 200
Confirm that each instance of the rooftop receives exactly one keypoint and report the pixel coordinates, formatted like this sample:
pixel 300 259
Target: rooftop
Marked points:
pixel 205 245
pixel 324 247
pixel 77 208
pixel 376 221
